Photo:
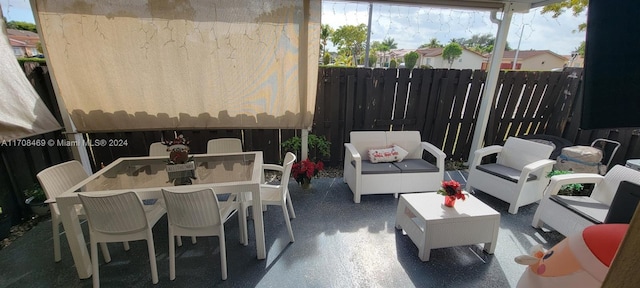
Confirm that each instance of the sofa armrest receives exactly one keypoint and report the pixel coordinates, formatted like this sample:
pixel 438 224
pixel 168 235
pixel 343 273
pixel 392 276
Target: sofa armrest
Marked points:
pixel 482 152
pixel 351 153
pixel 436 152
pixel 558 181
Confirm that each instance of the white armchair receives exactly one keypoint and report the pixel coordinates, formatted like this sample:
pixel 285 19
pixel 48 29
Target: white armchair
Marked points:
pixel 571 214
pixel 519 175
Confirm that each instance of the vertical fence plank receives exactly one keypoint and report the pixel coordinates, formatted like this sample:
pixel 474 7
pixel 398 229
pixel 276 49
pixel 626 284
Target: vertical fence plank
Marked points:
pixel 467 126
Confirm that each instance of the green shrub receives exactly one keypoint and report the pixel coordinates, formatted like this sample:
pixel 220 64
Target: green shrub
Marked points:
pixel 326 58
pixel 318 146
pixel 569 189
pixel 393 63
pixel 33 59
pixel 36 192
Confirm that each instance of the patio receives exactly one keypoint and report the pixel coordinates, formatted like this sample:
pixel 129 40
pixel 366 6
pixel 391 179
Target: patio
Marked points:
pixel 338 244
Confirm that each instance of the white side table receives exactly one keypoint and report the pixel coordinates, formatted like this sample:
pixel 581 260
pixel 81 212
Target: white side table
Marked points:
pixel 431 225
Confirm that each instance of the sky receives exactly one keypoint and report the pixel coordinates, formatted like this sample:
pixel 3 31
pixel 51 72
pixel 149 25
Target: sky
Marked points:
pixel 412 26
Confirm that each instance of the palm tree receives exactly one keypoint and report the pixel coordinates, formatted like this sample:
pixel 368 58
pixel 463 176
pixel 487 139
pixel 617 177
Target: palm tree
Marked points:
pixel 325 34
pixel 433 43
pixel 386 45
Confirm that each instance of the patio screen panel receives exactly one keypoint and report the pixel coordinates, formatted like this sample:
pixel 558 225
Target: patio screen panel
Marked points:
pixel 23 112
pixel 190 64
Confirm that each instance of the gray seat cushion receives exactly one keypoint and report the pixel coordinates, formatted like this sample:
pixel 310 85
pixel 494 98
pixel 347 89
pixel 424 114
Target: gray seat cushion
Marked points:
pixel 504 172
pixel 377 168
pixel 592 210
pixel 415 166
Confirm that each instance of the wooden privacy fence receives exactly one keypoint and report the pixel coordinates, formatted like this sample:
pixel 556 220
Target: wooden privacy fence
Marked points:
pixel 441 104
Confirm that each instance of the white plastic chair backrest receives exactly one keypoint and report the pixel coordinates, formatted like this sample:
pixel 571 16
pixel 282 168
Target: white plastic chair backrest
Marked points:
pixel 192 209
pixel 517 153
pixel 407 140
pixel 158 149
pixel 224 145
pixel 365 140
pixel 287 164
pixel 114 214
pixel 57 179
pixel 604 191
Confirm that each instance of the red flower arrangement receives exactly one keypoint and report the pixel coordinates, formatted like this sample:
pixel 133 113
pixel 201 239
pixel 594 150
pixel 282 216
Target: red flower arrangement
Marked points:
pixel 452 188
pixel 305 170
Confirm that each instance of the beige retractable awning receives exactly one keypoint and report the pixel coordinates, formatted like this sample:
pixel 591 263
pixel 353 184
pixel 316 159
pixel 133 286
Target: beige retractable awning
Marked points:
pixel 145 65
pixel 22 112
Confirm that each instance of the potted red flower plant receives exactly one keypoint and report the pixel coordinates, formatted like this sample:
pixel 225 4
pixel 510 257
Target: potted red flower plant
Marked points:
pixel 304 170
pixel 452 191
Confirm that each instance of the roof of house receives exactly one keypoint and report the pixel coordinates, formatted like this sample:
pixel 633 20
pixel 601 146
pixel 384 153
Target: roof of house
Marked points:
pixel 17 43
pixel 23 33
pixel 433 52
pixel 24 38
pixel 526 54
pixel 399 52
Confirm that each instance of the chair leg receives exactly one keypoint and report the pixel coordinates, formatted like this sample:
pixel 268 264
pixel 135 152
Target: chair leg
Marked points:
pixel 172 254
pixel 105 252
pixel 55 225
pixel 152 257
pixel 242 223
pixel 94 264
pixel 223 253
pixel 125 244
pixel 193 240
pixel 286 220
pixel 293 212
pixel 513 209
pixel 179 240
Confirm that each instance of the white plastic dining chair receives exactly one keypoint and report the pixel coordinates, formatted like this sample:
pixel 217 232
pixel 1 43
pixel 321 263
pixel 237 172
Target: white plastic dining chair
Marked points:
pixel 224 145
pixel 197 213
pixel 158 149
pixel 274 194
pixel 55 180
pixel 120 217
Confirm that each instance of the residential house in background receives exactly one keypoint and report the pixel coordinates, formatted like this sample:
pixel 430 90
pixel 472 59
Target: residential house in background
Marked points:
pixel 24 43
pixel 531 60
pixel 432 57
pixel 577 61
pixel 385 57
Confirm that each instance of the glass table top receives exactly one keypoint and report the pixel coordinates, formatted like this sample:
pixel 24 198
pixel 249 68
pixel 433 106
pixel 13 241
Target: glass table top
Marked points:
pixel 151 172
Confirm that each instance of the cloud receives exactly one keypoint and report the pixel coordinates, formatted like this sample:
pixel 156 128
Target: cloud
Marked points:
pixel 411 26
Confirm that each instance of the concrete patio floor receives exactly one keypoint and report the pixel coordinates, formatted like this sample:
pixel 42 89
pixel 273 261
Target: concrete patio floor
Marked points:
pixel 338 244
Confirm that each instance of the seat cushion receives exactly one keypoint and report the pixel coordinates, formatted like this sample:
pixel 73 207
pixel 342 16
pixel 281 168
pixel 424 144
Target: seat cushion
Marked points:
pixel 504 172
pixel 588 208
pixel 377 168
pixel 416 166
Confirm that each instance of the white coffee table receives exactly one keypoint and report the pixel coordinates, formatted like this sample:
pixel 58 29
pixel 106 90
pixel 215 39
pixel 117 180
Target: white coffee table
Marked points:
pixel 431 225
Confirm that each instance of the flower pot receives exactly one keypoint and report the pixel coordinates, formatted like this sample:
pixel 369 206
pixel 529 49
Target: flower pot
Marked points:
pixel 306 184
pixel 449 201
pixel 37 207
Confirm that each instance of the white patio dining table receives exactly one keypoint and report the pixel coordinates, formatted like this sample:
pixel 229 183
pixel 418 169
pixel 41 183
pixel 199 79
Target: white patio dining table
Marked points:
pixel 226 173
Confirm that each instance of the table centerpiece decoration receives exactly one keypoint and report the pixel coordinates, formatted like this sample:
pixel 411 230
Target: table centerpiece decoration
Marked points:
pixel 180 167
pixel 451 191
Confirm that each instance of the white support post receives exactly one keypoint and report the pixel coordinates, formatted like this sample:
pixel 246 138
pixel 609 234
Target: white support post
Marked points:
pixel 492 74
pixel 304 145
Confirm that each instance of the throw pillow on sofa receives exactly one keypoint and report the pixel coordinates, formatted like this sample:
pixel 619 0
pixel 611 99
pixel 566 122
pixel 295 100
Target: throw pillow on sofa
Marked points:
pixel 393 154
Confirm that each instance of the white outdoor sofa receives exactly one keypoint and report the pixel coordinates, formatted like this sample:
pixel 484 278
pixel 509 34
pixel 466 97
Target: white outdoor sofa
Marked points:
pixel 412 174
